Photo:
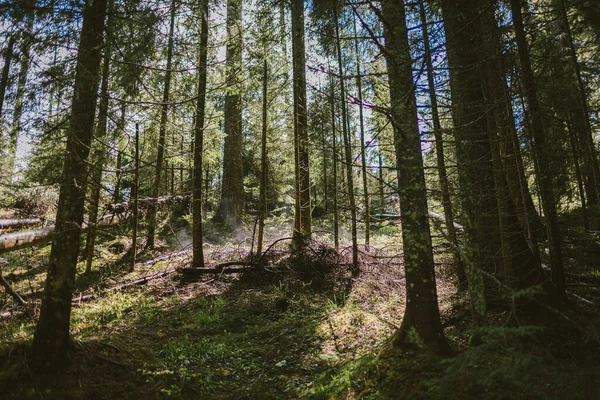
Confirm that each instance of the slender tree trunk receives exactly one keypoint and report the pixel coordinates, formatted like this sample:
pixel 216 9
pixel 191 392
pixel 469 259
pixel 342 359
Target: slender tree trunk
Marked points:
pixel 135 190
pixel 380 174
pixel 231 206
pixel 98 154
pixel 580 186
pixel 421 323
pixel 303 234
pixel 540 153
pixel 51 339
pixel 439 151
pixel 262 208
pixel 198 253
pixel 363 153
pixel 347 148
pixel 336 229
pixel 8 56
pixel 590 156
pixel 152 211
pixel 118 143
pixel 16 128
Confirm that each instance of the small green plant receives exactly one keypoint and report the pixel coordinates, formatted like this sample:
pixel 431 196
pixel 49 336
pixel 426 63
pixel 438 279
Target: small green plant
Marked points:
pixel 209 309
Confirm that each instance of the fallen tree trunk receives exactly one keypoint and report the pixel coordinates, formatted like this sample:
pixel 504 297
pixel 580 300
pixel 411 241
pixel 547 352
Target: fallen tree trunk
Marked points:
pixel 36 237
pixel 18 299
pixel 19 223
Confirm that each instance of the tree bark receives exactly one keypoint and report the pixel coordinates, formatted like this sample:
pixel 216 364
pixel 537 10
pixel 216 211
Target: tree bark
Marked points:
pixel 198 254
pixel 262 207
pixel 8 56
pixel 231 206
pixel 439 152
pixel 162 132
pixel 347 144
pixel 303 233
pixel 421 323
pixel 540 153
pixel 51 339
pixel 98 155
pixel 135 192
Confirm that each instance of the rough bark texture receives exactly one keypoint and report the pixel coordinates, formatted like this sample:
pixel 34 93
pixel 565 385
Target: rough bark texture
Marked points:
pixel 421 324
pixel 301 124
pixel 347 145
pixel 262 205
pixel 99 153
pixel 198 254
pixel 540 152
pixel 16 128
pixel 439 152
pixel 51 338
pixel 231 206
pixel 8 56
pixel 162 133
pixel 473 153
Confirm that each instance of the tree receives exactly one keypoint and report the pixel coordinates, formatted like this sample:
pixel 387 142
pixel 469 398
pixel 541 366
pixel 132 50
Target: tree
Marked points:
pixel 51 338
pixel 421 322
pixel 231 206
pixel 302 229
pixel 540 152
pixel 198 255
pixel 162 132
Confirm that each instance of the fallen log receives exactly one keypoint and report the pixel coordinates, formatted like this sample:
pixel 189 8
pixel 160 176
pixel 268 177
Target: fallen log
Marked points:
pixel 19 223
pixel 18 299
pixel 36 237
pixel 140 281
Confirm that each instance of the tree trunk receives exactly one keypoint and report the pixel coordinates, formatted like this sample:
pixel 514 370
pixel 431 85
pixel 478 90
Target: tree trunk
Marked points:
pixel 589 155
pixel 51 339
pixel 347 144
pixel 421 317
pixel 98 155
pixel 231 206
pixel 363 153
pixel 439 151
pixel 540 153
pixel 336 229
pixel 303 234
pixel 162 132
pixel 135 190
pixel 16 128
pixel 8 56
pixel 198 253
pixel 473 153
pixel 262 207
pixel 118 139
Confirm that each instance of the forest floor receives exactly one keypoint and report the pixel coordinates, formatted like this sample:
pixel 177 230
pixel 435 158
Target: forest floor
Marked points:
pixel 287 333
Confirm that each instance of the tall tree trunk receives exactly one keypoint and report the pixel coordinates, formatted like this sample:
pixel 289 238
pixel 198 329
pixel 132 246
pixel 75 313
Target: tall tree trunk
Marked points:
pixel 8 56
pixel 118 144
pixel 135 193
pixel 473 153
pixel 16 128
pixel 231 206
pixel 439 151
pixel 303 233
pixel 347 145
pixel 336 229
pixel 262 207
pixel 152 211
pixel 589 154
pixel 51 338
pixel 363 153
pixel 540 152
pixel 198 253
pixel 421 317
pixel 99 152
